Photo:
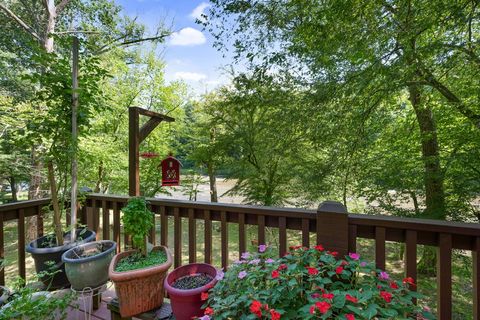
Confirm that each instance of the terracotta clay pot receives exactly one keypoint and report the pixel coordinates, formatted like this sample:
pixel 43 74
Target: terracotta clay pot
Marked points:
pixel 142 289
pixel 187 303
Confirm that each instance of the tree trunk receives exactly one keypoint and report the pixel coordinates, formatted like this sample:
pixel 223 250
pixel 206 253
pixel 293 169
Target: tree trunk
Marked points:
pixel 433 175
pixel 52 15
pixel 13 188
pixel 34 192
pixel 57 221
pixel 98 184
pixel 213 182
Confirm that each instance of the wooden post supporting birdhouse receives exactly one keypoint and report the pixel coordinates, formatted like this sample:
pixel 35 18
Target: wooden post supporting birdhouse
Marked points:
pixel 136 135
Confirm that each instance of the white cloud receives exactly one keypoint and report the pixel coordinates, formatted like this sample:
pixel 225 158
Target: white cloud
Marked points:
pixel 199 10
pixel 191 76
pixel 187 37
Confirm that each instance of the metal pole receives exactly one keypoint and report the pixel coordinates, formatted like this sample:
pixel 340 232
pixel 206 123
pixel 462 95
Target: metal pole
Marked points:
pixel 73 198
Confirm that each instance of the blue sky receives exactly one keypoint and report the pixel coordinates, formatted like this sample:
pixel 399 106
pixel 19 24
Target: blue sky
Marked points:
pixel 189 53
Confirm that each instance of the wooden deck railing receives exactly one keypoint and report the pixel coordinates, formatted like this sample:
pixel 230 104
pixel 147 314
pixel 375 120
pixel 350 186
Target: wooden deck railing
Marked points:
pixel 334 228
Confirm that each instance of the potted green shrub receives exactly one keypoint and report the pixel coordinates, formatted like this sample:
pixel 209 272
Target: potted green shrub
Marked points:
pixel 138 275
pixel 310 283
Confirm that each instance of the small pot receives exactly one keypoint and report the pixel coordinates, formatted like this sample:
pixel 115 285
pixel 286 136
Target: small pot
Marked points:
pixel 187 303
pixel 90 271
pixel 42 255
pixel 142 289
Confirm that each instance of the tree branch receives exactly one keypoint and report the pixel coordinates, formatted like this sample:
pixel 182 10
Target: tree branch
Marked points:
pixel 61 6
pixel 20 22
pixel 108 47
pixel 451 97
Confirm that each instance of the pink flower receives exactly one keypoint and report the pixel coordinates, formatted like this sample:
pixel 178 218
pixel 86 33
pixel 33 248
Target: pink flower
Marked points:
pixel 254 261
pixel 205 317
pixel 363 264
pixel 242 274
pixel 384 275
pixel 245 255
pixel 220 275
pixel 354 256
pixel 269 260
pixel 262 248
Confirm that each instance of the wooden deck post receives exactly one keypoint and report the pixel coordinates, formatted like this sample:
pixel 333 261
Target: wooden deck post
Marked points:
pixel 332 227
pixel 136 135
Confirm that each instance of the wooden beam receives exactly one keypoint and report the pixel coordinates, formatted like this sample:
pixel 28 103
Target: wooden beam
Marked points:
pixel 153 114
pixel 133 150
pixel 148 127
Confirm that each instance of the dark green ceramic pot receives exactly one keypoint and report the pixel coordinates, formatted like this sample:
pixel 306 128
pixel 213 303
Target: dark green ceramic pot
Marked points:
pixel 86 265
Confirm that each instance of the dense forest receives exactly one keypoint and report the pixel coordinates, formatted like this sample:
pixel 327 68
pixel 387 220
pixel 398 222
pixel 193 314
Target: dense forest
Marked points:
pixel 340 100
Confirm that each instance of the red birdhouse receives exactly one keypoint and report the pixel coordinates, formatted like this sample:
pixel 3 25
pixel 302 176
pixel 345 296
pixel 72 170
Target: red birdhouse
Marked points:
pixel 170 171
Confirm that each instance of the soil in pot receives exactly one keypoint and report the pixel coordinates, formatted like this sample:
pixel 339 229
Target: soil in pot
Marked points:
pixel 192 281
pixel 137 261
pixel 82 252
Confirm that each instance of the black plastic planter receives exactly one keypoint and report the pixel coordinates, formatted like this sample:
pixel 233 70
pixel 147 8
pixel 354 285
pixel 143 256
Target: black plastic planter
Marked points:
pixel 48 259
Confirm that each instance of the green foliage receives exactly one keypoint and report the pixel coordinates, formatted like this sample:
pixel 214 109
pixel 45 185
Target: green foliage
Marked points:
pixel 138 261
pixel 311 284
pixel 137 221
pixel 27 302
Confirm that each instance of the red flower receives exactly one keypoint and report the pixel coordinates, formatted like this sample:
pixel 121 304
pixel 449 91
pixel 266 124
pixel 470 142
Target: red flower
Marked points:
pixel 208 311
pixel 351 298
pixel 256 308
pixel 274 315
pixel 275 274
pixel 393 285
pixel 339 270
pixel 312 271
pixel 295 247
pixel 312 309
pixel 328 296
pixel 283 266
pixel 204 296
pixel 387 296
pixel 344 263
pixel 323 306
pixel 409 280
pixel 350 316
pixel 319 247
pixel 334 253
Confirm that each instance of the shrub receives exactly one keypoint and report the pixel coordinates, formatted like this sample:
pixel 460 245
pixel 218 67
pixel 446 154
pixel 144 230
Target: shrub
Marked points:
pixel 137 221
pixel 310 284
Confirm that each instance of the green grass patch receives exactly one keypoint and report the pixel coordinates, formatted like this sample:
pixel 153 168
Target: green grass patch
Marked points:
pixel 137 261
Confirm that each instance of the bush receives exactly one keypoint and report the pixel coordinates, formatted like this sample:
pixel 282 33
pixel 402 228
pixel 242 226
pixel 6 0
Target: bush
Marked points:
pixel 137 221
pixel 310 284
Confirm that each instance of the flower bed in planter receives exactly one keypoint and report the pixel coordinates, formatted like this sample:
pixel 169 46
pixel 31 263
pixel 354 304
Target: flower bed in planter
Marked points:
pixel 310 283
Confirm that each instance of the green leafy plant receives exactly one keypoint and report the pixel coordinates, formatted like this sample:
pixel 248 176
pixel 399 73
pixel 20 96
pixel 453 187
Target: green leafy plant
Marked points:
pixel 138 221
pixel 28 302
pixel 310 284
